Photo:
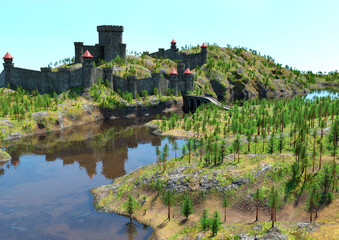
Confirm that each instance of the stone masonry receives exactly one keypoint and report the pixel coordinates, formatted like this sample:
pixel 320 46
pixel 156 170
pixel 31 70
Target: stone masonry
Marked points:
pixel 189 60
pixel 110 46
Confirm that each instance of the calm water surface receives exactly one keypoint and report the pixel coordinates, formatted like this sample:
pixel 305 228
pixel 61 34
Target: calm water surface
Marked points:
pixel 323 93
pixel 44 190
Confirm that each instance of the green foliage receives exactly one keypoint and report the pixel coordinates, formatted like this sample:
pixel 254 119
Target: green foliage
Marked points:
pixel 205 221
pixel 158 185
pixel 187 206
pixel 215 223
pixel 130 205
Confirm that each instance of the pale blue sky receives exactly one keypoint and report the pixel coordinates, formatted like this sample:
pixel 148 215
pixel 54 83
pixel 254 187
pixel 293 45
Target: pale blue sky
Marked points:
pixel 301 33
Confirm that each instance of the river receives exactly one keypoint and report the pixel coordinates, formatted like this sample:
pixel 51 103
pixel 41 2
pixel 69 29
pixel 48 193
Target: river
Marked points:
pixel 44 189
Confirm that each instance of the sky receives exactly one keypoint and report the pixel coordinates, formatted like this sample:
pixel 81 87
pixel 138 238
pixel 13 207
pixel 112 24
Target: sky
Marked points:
pixel 303 34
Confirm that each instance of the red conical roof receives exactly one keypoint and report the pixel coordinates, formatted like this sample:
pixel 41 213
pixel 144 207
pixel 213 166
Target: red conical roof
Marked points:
pixel 173 41
pixel 203 45
pixel 187 71
pixel 8 56
pixel 174 72
pixel 87 55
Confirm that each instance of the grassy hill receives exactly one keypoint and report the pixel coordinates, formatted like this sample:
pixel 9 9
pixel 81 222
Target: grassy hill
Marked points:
pixel 285 150
pixel 229 74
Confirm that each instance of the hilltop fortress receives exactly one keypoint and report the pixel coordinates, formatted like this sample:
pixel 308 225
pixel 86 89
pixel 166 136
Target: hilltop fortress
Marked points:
pixel 109 47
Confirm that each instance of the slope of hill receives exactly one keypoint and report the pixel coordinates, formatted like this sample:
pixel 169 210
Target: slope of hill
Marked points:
pixel 230 73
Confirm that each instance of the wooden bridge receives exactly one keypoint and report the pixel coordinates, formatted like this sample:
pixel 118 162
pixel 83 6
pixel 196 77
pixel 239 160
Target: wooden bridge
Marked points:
pixel 192 102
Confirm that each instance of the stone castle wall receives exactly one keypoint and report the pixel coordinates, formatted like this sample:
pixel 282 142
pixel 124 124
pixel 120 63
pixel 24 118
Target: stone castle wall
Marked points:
pixel 110 45
pixel 190 60
pixel 47 81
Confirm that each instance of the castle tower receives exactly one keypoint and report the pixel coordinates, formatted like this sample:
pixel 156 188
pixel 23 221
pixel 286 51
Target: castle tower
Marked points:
pixel 173 77
pixel 87 68
pixel 181 69
pixel 188 78
pixel 79 49
pixel 174 45
pixel 110 38
pixel 203 54
pixel 8 66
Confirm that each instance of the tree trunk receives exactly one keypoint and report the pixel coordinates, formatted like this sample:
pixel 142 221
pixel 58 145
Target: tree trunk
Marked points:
pixel 255 148
pixel 320 161
pixel 225 213
pixel 311 210
pixel 169 210
pixel 263 145
pixel 257 212
pixel 316 212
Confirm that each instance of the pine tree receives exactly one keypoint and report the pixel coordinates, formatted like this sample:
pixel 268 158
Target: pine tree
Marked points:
pixel 169 200
pixel 236 146
pixel 165 155
pixel 215 223
pixel 175 148
pixel 184 150
pixel 271 144
pixel 314 148
pixel 225 204
pixel 321 149
pixel 202 144
pixel 263 140
pixel 223 148
pixel 157 151
pixel 189 147
pixel 258 197
pixel 130 205
pixel 281 143
pixel 187 206
pixel 255 140
pixel 249 134
pixel 273 202
pixel 313 198
pixel 205 221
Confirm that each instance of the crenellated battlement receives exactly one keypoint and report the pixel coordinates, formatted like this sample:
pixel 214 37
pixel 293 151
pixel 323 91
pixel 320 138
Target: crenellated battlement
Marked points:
pixel 189 60
pixel 110 28
pixel 110 45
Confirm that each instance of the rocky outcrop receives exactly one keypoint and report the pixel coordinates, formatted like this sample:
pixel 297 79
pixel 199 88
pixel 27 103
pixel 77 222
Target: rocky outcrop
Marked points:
pixel 185 178
pixel 4 156
pixel 273 233
pixel 44 118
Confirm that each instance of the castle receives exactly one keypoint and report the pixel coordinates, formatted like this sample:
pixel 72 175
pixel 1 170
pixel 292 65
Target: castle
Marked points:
pixel 190 60
pixel 110 45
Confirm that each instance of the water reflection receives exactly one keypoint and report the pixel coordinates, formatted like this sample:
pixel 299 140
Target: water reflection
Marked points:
pixel 108 145
pixel 331 92
pixel 44 189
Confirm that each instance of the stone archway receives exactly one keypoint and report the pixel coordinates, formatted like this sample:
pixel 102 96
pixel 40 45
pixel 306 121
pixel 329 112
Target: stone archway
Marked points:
pixel 198 102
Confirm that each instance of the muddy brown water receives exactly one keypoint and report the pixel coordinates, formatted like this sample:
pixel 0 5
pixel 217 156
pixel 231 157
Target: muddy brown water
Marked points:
pixel 44 189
